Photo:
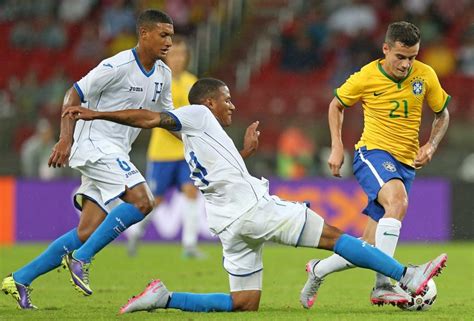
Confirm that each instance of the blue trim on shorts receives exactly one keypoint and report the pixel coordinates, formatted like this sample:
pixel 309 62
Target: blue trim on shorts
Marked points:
pixel 301 233
pixel 239 275
pixel 372 169
pixel 79 207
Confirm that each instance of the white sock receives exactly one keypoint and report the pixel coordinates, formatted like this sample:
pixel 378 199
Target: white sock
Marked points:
pixel 334 263
pixel 190 216
pixel 386 239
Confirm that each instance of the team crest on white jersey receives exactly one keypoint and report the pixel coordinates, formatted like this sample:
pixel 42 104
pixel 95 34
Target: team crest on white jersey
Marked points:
pixel 417 85
pixel 389 166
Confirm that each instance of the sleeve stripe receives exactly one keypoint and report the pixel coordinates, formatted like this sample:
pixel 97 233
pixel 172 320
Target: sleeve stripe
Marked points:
pixel 178 123
pixel 340 100
pixel 445 104
pixel 79 91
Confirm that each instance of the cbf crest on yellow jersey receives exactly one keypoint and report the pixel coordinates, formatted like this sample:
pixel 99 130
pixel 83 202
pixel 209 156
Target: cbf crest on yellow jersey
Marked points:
pixel 393 108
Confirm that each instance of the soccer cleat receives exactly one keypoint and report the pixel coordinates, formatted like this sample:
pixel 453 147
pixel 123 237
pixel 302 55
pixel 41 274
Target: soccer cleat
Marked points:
pixel 155 296
pixel 416 277
pixel 389 294
pixel 20 292
pixel 79 271
pixel 311 287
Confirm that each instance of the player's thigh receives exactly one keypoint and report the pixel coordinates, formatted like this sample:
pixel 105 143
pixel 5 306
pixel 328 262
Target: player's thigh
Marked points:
pixel 241 256
pixel 92 216
pixel 248 300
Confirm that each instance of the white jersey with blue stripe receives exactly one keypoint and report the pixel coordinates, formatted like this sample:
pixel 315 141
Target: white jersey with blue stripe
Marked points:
pixel 217 168
pixel 117 83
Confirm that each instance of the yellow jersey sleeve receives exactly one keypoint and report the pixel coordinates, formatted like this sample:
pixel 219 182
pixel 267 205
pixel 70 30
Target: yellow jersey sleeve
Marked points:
pixel 393 108
pixel 163 145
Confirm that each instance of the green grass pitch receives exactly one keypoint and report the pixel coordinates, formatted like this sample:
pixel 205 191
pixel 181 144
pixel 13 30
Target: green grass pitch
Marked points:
pixel 343 296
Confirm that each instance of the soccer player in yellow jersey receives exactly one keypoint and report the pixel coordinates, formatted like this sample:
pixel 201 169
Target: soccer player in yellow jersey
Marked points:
pixel 392 91
pixel 167 167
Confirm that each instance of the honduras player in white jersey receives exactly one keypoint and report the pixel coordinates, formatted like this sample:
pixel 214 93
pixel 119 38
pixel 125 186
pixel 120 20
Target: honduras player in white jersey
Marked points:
pixel 241 211
pixel 113 194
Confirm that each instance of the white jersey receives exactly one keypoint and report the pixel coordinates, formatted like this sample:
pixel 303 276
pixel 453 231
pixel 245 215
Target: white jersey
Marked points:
pixel 217 168
pixel 117 83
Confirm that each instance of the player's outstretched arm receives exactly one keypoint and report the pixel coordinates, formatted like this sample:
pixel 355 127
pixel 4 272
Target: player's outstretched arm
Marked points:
pixel 335 118
pixel 62 149
pixel 250 140
pixel 141 118
pixel 439 128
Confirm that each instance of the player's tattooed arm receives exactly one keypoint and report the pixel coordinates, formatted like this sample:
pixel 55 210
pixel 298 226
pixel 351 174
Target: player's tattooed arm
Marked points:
pixel 141 118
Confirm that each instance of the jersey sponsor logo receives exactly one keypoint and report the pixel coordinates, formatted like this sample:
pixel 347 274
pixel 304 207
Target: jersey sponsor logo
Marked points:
pixel 378 93
pixel 135 88
pixel 417 86
pixel 389 166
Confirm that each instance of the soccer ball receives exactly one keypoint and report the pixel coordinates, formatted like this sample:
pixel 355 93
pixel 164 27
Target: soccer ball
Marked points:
pixel 422 301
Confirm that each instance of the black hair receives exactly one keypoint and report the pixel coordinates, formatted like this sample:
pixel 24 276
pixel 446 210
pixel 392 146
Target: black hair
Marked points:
pixel 406 33
pixel 151 17
pixel 204 88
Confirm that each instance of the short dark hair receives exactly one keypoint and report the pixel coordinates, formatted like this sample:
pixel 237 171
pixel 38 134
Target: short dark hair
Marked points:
pixel 151 17
pixel 406 33
pixel 204 88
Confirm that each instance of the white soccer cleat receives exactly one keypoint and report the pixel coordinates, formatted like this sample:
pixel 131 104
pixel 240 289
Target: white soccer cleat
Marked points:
pixel 155 296
pixel 389 294
pixel 416 277
pixel 310 290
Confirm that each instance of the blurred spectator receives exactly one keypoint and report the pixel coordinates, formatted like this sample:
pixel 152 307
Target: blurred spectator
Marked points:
pixel 89 47
pixel 440 57
pixel 72 11
pixel 51 34
pixel 35 152
pixel 26 95
pixel 117 17
pixel 124 40
pixel 299 52
pixel 295 154
pixel 353 18
pixel 465 54
pixel 466 170
pixel 23 35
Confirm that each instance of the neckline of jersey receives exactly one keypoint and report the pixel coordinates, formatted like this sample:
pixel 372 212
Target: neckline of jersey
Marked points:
pixel 398 82
pixel 149 73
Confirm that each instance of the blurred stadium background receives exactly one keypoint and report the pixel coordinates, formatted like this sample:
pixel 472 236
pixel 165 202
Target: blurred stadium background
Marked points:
pixel 281 58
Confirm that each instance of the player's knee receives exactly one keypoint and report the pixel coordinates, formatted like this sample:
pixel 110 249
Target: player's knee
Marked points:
pixel 398 208
pixel 245 304
pixel 145 205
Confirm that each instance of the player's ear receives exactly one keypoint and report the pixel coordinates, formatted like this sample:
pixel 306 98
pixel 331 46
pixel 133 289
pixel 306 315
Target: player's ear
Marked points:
pixel 209 102
pixel 385 48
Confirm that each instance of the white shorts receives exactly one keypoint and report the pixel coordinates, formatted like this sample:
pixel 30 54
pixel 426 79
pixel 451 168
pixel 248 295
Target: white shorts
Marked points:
pixel 104 181
pixel 271 219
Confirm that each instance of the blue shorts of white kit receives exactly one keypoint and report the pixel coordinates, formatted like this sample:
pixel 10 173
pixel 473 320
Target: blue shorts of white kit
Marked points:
pixel 373 168
pixel 161 176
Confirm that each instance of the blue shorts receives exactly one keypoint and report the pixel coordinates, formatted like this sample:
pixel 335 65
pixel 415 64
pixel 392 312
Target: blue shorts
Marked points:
pixel 373 168
pixel 161 176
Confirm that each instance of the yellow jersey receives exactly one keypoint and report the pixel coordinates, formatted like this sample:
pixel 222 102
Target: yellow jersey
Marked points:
pixel 164 146
pixel 392 108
